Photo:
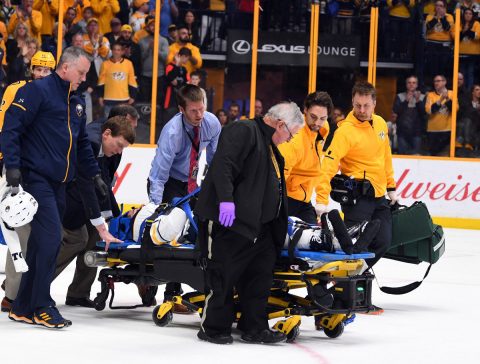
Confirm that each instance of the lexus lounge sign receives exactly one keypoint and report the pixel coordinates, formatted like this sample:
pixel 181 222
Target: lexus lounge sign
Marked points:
pixel 293 49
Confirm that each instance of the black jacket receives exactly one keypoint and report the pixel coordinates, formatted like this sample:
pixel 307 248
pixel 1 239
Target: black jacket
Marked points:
pixel 241 171
pixel 83 201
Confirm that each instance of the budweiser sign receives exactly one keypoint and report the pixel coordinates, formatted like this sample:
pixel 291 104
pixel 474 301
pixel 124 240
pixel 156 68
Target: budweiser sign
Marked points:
pixel 409 186
pixel 450 188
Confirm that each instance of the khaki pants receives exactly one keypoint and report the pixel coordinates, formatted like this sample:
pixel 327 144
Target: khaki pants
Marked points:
pixel 74 245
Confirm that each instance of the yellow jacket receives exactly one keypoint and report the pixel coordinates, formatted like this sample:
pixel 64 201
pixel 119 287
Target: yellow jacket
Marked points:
pixel 359 150
pixel 400 10
pixel 139 35
pixel 441 117
pixel 49 12
pixel 8 97
pixel 217 5
pixel 302 157
pixel 116 77
pixel 3 31
pixel 102 47
pixel 175 47
pixel 471 46
pixel 34 24
pixel 4 49
pixel 69 4
pixel 105 11
pixel 437 33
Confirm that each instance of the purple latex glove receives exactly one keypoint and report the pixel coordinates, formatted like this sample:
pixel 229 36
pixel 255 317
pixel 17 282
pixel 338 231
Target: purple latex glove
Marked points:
pixel 227 213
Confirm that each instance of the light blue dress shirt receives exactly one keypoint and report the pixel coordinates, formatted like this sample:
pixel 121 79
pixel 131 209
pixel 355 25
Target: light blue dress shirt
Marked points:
pixel 172 156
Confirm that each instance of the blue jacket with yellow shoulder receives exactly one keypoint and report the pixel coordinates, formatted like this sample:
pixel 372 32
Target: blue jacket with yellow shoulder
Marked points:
pixel 44 131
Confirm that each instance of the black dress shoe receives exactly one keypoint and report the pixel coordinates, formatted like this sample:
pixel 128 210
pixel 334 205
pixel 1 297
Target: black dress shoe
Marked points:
pixel 215 339
pixel 265 336
pixel 83 302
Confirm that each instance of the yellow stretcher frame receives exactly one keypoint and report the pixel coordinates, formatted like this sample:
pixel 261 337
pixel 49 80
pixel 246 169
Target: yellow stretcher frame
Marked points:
pixel 332 323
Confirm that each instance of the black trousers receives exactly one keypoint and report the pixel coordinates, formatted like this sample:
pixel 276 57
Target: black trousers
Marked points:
pixel 302 210
pixel 438 142
pixel 369 208
pixel 235 261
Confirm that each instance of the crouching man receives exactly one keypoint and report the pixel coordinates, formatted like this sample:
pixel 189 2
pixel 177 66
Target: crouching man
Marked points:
pixel 87 209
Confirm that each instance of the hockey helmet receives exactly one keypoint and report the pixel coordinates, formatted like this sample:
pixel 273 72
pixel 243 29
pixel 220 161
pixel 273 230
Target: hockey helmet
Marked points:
pixel 139 222
pixel 18 209
pixel 169 227
pixel 43 59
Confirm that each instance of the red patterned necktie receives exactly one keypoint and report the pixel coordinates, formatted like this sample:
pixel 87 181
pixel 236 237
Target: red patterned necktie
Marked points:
pixel 192 171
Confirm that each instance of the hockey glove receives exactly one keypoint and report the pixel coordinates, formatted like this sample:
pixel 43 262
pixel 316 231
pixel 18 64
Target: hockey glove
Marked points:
pixel 14 179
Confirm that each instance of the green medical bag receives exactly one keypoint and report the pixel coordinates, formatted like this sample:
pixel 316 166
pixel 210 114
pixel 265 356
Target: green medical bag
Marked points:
pixel 415 239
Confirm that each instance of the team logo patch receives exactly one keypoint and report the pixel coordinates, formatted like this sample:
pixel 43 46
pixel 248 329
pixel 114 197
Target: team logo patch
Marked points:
pixel 79 109
pixel 382 135
pixel 119 76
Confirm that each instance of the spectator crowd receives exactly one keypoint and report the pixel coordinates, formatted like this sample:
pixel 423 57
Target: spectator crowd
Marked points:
pixel 119 35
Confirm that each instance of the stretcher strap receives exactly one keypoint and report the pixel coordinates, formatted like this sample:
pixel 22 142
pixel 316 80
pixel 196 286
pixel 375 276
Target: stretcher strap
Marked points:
pixel 405 289
pixel 292 244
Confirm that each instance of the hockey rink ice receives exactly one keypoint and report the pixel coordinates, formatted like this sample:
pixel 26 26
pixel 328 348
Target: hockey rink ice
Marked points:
pixel 437 323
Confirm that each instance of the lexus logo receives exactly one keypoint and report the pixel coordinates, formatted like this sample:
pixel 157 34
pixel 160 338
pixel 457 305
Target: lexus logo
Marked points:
pixel 241 46
pixel 146 109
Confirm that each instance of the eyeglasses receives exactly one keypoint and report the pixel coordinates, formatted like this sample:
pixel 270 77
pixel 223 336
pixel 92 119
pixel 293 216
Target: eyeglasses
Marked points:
pixel 289 132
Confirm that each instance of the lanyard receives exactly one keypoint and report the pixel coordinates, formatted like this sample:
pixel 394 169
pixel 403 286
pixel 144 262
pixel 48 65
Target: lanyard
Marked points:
pixel 194 145
pixel 280 187
pixel 275 163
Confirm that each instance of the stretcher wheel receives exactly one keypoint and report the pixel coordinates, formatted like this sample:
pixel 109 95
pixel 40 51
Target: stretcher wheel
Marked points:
pixel 292 335
pixel 335 332
pixel 165 320
pixel 100 301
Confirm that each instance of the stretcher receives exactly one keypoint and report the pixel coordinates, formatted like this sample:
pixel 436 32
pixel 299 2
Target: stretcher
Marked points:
pixel 335 283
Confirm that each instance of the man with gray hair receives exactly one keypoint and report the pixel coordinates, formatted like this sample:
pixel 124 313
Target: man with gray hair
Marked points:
pixel 43 142
pixel 242 209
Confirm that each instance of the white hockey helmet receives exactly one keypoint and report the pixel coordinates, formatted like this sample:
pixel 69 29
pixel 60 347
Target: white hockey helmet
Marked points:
pixel 18 209
pixel 138 224
pixel 169 227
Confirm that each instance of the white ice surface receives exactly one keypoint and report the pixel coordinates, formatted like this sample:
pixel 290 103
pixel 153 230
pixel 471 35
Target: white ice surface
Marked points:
pixel 437 323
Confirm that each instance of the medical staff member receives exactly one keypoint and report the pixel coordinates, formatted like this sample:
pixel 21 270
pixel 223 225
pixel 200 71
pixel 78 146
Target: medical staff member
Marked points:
pixel 303 154
pixel 175 166
pixel 361 149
